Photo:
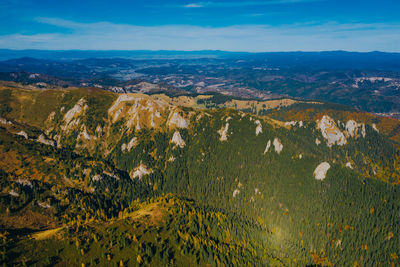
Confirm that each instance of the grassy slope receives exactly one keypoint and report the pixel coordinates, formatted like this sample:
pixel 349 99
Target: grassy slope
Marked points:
pixel 33 106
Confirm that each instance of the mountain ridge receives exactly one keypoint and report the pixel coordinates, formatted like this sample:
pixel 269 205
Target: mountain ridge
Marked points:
pixel 105 155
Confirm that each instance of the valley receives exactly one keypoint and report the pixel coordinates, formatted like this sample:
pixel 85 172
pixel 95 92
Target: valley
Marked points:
pixel 365 81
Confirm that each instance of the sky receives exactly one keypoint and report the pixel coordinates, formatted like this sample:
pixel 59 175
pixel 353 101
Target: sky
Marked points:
pixel 230 25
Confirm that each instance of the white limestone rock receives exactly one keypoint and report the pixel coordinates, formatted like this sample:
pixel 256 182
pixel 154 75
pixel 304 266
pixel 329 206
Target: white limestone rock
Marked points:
pixel 140 171
pixel 223 132
pixel 13 193
pixel 331 132
pixel 123 147
pixel 76 110
pixel 43 205
pixel 352 128
pixel 25 182
pixel 321 170
pixel 42 139
pixel 277 145
pixel 177 140
pixel 267 147
pixel 374 127
pixel 348 165
pixel 5 121
pixel 120 99
pixel 175 119
pixel 85 135
pixel 97 178
pixel 131 144
pixel 258 128
pixel 51 116
pixel 290 123
pixel 23 134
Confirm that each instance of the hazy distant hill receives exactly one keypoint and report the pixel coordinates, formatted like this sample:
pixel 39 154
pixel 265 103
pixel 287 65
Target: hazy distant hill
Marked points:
pixel 325 60
pixel 134 54
pixel 366 81
pixel 320 60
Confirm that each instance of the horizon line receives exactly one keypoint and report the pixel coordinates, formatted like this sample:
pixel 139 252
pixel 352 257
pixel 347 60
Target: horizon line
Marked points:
pixel 203 50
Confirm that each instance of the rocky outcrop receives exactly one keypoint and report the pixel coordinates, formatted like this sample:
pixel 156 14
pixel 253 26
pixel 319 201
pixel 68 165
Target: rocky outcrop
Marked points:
pixel 42 139
pixel 75 111
pixel 277 145
pixel 177 140
pixel 267 147
pixel 223 132
pixel 321 170
pixel 354 128
pixel 331 132
pixel 23 134
pixel 140 171
pixel 259 127
pixel 176 120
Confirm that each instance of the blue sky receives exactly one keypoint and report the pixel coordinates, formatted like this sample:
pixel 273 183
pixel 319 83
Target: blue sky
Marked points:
pixel 257 25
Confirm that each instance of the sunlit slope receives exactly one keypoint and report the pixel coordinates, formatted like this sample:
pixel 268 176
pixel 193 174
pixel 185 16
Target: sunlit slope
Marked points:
pixel 164 231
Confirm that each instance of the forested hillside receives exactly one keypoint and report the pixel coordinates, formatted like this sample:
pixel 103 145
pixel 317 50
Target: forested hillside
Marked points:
pixel 90 177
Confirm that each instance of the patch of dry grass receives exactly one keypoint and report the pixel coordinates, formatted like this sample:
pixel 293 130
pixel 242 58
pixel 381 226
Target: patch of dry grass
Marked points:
pixel 46 234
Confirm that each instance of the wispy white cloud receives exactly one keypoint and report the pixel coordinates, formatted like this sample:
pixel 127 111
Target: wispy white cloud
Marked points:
pixel 193 5
pixel 307 37
pixel 244 3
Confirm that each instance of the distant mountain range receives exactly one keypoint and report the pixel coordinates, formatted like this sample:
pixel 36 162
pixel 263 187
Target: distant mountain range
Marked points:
pixel 328 59
pixel 132 54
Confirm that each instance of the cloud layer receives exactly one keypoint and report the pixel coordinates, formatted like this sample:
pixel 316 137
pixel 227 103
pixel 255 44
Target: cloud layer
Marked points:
pixel 295 37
